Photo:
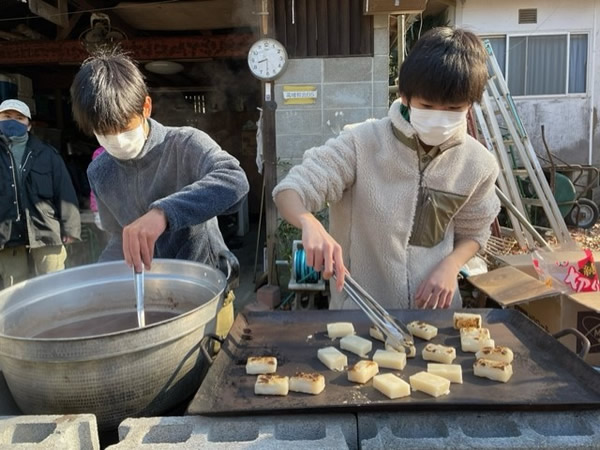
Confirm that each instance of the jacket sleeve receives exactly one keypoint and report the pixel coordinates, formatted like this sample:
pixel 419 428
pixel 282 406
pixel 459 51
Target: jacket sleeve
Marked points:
pixel 65 200
pixel 325 173
pixel 114 249
pixel 474 219
pixel 220 186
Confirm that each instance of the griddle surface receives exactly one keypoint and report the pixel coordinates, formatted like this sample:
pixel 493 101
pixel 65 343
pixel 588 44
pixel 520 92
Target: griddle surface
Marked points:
pixel 546 374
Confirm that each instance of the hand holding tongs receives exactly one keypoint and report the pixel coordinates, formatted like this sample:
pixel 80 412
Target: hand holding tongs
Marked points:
pixel 397 334
pixel 138 278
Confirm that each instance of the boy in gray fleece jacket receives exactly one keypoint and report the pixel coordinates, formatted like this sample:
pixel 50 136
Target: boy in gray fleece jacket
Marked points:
pixel 158 189
pixel 411 196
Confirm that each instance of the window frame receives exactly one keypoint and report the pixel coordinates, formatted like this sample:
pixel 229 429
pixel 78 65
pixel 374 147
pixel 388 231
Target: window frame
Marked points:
pixel 568 34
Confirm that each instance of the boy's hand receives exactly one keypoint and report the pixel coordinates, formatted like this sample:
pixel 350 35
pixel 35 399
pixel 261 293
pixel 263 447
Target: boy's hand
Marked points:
pixel 140 236
pixel 437 290
pixel 323 253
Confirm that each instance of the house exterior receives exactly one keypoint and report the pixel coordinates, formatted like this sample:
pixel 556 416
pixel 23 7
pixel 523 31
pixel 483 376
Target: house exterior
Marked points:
pixel 549 53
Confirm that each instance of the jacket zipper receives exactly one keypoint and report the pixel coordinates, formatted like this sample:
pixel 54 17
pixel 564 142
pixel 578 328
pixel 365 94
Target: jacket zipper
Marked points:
pixel 14 178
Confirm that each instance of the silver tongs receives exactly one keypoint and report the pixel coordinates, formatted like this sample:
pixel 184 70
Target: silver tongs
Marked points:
pixel 397 334
pixel 138 278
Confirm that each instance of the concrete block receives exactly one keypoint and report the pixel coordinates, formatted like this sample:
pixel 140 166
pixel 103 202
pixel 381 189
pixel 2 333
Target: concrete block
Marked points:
pixel 381 21
pixel 298 121
pixel 265 432
pixel 284 166
pixel 348 69
pixel 269 295
pixel 334 120
pixel 381 68
pixel 381 95
pixel 381 42
pixel 307 71
pixel 380 113
pixel 294 146
pixel 73 431
pixel 481 430
pixel 348 95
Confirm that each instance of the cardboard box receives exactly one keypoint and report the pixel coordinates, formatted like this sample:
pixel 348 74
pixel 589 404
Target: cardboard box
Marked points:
pixel 515 287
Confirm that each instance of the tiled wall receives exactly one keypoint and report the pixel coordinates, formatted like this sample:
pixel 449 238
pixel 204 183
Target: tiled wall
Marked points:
pixel 349 90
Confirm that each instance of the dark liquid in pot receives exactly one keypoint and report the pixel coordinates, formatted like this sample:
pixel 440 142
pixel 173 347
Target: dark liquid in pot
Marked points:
pixel 102 325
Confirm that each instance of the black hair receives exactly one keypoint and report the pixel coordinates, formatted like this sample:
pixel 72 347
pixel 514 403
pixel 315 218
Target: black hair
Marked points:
pixel 447 66
pixel 107 92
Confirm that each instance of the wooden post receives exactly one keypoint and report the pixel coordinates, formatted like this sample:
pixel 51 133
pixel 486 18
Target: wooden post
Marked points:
pixel 269 147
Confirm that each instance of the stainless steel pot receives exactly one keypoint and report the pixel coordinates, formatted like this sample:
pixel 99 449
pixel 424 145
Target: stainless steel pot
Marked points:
pixel 133 372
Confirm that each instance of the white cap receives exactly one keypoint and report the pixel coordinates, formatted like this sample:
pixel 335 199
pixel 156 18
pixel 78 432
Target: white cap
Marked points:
pixel 15 105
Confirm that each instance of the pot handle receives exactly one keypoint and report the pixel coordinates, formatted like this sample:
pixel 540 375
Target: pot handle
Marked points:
pixel 204 346
pixel 230 266
pixel 585 342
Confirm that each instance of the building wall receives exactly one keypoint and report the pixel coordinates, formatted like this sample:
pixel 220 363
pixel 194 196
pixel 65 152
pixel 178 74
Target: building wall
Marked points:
pixel 567 118
pixel 349 90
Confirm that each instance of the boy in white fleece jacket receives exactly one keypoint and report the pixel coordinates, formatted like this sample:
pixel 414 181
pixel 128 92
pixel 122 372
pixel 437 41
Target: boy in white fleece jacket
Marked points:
pixel 411 196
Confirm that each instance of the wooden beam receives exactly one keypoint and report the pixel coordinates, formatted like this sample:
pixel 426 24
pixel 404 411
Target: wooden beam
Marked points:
pixel 63 32
pixel 55 14
pixel 141 49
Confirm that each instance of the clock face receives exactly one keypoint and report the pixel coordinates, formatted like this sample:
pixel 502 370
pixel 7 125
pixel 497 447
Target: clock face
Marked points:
pixel 267 59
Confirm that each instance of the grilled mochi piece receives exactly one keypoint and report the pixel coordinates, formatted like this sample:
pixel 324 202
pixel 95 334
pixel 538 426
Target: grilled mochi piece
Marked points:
pixel 271 384
pixel 390 359
pixel 474 339
pixel 462 320
pixel 307 383
pixel 376 333
pixel 430 384
pixel 439 353
pixel 497 353
pixel 357 345
pixel 391 386
pixel 339 329
pixel 422 330
pixel 451 372
pixel 332 358
pixel 494 370
pixel 256 365
pixel 363 371
pixel 411 351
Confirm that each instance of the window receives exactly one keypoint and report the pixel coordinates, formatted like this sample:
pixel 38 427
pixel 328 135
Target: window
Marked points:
pixel 543 64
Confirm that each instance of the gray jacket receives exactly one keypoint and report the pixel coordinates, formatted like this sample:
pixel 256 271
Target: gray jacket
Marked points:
pixel 182 172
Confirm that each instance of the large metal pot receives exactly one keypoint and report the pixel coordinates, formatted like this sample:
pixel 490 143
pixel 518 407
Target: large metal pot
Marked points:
pixel 132 372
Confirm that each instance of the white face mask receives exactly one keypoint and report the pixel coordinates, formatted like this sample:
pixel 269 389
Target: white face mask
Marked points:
pixel 125 145
pixel 434 126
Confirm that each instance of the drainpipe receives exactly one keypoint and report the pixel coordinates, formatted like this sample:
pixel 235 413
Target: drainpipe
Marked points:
pixel 593 85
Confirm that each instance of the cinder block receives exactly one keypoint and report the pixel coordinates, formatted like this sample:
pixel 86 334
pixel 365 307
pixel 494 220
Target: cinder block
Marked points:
pixel 65 432
pixel 348 70
pixel 481 430
pixel 348 95
pixel 305 71
pixel 294 121
pixel 305 432
pixel 381 68
pixel 294 146
pixel 269 295
pixel 381 94
pixel 334 120
pixel 381 41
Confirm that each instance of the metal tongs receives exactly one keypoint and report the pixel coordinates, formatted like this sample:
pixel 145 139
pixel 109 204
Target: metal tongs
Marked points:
pixel 397 334
pixel 138 278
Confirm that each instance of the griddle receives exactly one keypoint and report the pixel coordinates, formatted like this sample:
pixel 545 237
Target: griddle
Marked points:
pixel 547 376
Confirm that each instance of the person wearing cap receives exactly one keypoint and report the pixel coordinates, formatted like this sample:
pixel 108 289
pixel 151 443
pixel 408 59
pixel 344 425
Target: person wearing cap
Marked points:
pixel 39 210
